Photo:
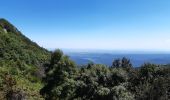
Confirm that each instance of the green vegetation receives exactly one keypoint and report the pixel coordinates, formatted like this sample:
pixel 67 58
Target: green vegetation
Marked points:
pixel 65 81
pixel 21 61
pixel 30 72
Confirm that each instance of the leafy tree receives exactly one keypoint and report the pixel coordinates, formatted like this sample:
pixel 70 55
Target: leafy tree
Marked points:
pixel 126 63
pixel 148 71
pixel 59 81
pixel 122 63
pixel 116 63
pixel 120 93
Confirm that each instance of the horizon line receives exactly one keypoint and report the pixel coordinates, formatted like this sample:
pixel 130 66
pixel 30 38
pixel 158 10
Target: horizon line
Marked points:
pixel 109 50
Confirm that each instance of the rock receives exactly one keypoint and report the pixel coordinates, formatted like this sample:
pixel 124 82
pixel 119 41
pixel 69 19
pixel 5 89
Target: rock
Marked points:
pixel 5 30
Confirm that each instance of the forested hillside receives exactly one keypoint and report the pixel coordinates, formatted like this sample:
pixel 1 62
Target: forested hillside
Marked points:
pixel 29 72
pixel 21 62
pixel 15 46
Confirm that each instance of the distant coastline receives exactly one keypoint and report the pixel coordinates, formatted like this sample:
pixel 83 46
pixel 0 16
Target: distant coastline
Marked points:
pixel 111 51
pixel 137 59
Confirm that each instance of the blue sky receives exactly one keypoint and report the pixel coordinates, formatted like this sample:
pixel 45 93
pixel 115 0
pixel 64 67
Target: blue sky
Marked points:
pixel 92 24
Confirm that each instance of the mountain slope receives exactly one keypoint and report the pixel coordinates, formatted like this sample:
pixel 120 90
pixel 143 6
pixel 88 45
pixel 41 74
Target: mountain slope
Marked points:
pixel 21 62
pixel 15 46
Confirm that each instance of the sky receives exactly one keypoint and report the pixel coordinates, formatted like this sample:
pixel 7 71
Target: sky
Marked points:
pixel 92 24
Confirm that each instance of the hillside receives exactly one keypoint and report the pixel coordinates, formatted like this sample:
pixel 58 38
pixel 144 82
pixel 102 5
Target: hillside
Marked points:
pixel 20 59
pixel 15 46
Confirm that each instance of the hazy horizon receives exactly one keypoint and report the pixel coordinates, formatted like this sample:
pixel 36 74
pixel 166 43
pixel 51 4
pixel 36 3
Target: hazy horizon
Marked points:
pixel 135 25
pixel 109 51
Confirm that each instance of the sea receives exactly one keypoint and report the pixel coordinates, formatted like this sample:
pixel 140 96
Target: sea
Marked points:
pixel 137 59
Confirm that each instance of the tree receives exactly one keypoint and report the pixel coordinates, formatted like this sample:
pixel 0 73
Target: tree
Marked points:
pixel 120 93
pixel 116 63
pixel 60 83
pixel 126 63
pixel 148 71
pixel 122 63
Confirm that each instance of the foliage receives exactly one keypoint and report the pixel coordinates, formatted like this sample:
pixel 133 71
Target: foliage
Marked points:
pixel 122 63
pixel 20 62
pixel 60 78
pixel 17 47
pixel 23 64
pixel 99 82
